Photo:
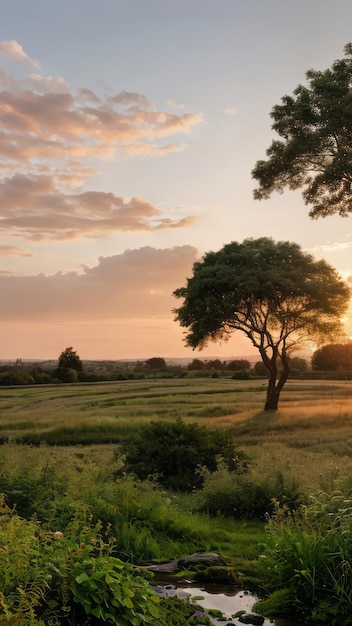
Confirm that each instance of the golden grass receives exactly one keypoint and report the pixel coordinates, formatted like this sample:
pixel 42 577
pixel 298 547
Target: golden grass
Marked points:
pixel 309 437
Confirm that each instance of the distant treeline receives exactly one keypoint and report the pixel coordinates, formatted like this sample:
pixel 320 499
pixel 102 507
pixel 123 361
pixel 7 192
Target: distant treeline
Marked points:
pixel 333 361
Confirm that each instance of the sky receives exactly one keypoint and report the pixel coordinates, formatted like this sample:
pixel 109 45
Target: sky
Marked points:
pixel 128 133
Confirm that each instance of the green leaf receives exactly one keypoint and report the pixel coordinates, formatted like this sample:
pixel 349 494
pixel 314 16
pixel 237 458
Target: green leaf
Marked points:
pixel 82 578
pixel 127 602
pixel 97 612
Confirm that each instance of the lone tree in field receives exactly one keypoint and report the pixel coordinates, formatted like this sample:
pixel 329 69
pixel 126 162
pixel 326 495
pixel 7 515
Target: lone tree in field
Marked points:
pixel 275 293
pixel 315 153
pixel 69 359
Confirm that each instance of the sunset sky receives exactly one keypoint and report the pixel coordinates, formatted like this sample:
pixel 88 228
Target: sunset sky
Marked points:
pixel 129 129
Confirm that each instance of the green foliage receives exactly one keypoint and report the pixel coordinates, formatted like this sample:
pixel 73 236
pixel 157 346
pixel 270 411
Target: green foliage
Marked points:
pixel 181 612
pixel 69 359
pixel 146 525
pixel 241 375
pixel 65 375
pixel 274 293
pixel 315 151
pixel 260 369
pixel 308 559
pixel 69 577
pixel 238 365
pixel 173 452
pixel 246 496
pixel 15 376
pixel 112 591
pixel 40 377
pixel 156 363
pixel 334 356
pixel 23 581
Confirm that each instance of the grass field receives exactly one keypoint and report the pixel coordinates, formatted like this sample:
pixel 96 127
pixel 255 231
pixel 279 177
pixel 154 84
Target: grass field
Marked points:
pixel 61 460
pixel 310 437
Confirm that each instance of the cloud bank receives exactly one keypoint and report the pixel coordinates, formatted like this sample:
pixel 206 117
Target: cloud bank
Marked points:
pixel 136 284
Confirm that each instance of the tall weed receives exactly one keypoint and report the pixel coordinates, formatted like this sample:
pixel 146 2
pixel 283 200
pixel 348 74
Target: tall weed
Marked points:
pixel 309 555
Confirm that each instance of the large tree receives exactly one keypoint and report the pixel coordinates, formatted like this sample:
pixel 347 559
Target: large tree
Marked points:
pixel 315 152
pixel 70 359
pixel 275 293
pixel 334 356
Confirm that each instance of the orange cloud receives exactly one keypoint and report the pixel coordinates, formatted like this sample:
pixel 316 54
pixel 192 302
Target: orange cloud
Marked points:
pixel 34 208
pixel 133 285
pixel 44 110
pixel 51 131
pixel 13 251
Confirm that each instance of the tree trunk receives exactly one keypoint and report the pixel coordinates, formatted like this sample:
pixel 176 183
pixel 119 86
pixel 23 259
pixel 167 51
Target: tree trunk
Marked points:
pixel 272 395
pixel 274 388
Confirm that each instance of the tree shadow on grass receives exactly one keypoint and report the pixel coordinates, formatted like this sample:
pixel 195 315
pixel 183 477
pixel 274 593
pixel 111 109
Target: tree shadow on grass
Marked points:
pixel 258 425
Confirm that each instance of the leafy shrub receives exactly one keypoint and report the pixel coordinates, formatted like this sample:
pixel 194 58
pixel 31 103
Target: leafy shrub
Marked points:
pixel 51 576
pixel 173 452
pixel 308 559
pixel 232 495
pixel 105 588
pixel 241 375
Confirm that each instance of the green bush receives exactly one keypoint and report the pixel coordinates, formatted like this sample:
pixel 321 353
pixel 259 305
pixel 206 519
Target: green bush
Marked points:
pixel 65 375
pixel 244 495
pixel 173 452
pixel 147 526
pixel 55 578
pixel 241 375
pixel 307 559
pixel 15 377
pixel 51 577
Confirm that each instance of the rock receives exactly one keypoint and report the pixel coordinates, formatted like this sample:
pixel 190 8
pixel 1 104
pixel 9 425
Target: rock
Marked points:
pixel 219 574
pixel 168 568
pixel 169 591
pixel 251 618
pixel 200 560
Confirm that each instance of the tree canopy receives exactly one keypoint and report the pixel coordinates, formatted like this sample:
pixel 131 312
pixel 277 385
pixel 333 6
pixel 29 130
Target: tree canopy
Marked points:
pixel 315 152
pixel 334 356
pixel 156 363
pixel 69 359
pixel 274 293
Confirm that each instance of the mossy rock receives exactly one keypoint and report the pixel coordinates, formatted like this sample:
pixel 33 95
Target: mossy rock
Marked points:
pixel 200 560
pixel 218 574
pixel 183 613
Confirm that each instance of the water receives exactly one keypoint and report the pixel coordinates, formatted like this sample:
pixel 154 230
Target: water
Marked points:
pixel 227 599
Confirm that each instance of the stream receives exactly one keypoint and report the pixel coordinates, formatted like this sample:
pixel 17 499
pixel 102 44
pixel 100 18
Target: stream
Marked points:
pixel 225 598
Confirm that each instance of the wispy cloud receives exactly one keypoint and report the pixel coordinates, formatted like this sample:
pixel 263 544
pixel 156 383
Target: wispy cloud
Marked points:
pixel 14 51
pixel 231 110
pixel 52 134
pixel 332 246
pixel 13 251
pixel 174 105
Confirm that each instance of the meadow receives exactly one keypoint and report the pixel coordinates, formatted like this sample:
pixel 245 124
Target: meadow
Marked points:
pixel 60 461
pixel 309 437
